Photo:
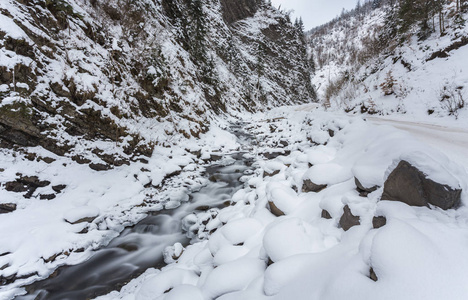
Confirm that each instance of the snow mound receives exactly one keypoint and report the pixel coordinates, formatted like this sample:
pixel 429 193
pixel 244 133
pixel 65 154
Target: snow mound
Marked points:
pixel 284 197
pixel 81 214
pixel 291 237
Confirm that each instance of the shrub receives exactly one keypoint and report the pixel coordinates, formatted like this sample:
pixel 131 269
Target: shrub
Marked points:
pixel 451 98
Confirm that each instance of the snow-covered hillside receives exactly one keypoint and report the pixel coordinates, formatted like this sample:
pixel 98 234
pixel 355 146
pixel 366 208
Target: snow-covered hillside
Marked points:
pixel 117 78
pixel 366 64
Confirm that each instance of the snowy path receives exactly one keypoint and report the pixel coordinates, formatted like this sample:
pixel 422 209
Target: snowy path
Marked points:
pixel 452 141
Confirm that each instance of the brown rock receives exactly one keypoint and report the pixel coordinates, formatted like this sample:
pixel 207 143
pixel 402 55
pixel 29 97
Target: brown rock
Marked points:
pixel 47 196
pixel 378 222
pixel 59 188
pixel 372 275
pixel 275 210
pixel 348 220
pixel 34 182
pixel 99 167
pixel 15 186
pixel 364 191
pixel 326 214
pixel 409 185
pixel 81 160
pixel 267 174
pixel 309 186
pixel 7 208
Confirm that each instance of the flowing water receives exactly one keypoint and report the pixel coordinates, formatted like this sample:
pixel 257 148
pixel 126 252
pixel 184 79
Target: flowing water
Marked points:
pixel 140 247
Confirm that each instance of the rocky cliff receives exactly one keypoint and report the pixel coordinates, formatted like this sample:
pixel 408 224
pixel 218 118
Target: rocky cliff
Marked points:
pixel 118 77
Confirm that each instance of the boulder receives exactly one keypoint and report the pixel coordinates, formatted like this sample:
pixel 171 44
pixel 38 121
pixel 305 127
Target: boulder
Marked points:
pixel 59 188
pixel 364 191
pixel 372 275
pixel 348 220
pixel 268 174
pixel 99 167
pixel 326 214
pixel 275 210
pixel 378 222
pixel 16 186
pixel 7 208
pixel 309 186
pixel 47 196
pixel 409 185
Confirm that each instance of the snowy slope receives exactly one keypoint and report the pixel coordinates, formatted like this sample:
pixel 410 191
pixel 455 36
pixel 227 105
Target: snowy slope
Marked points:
pixel 133 75
pixel 360 72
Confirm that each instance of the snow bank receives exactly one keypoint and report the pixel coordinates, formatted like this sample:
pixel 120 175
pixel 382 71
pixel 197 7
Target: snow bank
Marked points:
pixel 419 253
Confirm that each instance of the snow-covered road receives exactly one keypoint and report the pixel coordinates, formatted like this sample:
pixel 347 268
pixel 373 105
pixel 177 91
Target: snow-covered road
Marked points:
pixel 452 141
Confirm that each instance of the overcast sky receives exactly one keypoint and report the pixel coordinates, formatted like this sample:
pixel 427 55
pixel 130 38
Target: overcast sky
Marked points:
pixel 315 12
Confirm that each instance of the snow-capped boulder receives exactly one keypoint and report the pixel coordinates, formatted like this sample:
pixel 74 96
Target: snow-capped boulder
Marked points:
pixel 81 214
pixel 411 185
pixel 364 190
pixel 309 186
pixel 320 176
pixel 281 198
pixel 290 237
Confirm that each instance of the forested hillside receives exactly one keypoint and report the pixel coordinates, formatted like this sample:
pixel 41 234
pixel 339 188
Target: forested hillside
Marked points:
pixel 388 57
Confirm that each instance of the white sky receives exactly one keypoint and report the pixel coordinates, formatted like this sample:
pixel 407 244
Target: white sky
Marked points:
pixel 315 12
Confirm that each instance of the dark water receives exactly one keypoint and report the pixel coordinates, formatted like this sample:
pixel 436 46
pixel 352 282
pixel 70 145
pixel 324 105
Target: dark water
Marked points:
pixel 140 247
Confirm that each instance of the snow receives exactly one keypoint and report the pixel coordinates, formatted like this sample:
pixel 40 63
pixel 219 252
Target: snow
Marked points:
pixel 11 29
pixel 255 255
pixel 113 199
pixel 328 174
pixel 247 252
pixel 282 196
pixel 291 237
pixel 232 276
pixel 418 80
pixel 79 213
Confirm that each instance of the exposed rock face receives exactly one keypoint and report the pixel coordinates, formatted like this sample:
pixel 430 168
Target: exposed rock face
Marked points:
pixel 409 185
pixel 309 186
pixel 235 10
pixel 348 220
